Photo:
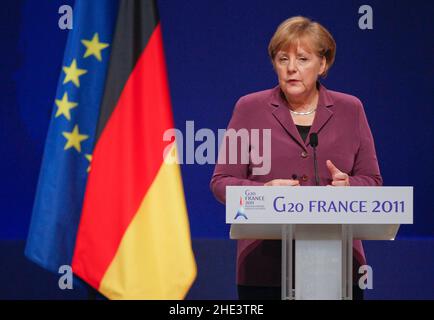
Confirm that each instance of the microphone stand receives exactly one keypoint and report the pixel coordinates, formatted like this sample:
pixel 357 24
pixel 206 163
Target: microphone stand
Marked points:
pixel 313 141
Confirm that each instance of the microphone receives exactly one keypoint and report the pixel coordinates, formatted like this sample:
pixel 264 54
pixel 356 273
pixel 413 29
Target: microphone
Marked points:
pixel 313 141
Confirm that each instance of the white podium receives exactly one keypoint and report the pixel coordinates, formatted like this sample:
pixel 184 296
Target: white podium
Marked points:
pixel 322 222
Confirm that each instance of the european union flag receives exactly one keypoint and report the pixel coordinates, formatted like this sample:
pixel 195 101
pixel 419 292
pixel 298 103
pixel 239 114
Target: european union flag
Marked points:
pixel 71 135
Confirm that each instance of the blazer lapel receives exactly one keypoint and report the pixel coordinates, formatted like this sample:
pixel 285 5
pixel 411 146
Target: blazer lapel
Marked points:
pixel 323 112
pixel 283 116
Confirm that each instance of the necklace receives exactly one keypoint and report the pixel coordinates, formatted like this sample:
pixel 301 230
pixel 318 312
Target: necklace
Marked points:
pixel 303 113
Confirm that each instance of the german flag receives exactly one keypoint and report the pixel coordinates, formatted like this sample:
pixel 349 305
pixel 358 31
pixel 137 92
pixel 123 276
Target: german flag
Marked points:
pixel 133 240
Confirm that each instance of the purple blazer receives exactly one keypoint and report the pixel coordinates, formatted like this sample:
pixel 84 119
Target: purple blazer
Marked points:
pixel 344 138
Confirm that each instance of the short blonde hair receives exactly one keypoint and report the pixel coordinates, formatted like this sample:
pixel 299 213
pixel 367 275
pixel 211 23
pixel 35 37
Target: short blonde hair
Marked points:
pixel 293 30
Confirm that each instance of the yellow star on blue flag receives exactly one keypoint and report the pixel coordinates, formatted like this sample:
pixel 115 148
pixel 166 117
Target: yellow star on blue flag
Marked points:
pixel 73 73
pixel 94 47
pixel 64 106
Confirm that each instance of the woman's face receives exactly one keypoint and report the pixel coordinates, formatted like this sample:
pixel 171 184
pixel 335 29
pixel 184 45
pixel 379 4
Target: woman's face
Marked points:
pixel 298 70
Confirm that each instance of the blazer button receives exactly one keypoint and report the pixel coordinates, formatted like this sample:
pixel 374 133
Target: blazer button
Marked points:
pixel 304 178
pixel 304 154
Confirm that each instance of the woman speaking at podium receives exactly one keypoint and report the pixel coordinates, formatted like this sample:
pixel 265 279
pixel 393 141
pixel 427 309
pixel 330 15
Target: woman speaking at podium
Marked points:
pixel 301 51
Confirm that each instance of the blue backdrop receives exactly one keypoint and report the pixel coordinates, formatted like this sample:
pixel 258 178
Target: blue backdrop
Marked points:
pixel 216 51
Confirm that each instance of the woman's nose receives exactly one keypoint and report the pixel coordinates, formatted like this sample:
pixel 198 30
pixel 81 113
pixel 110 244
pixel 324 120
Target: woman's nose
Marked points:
pixel 292 67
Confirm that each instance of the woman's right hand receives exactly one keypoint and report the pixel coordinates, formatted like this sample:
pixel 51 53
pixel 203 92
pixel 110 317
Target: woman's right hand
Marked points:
pixel 283 182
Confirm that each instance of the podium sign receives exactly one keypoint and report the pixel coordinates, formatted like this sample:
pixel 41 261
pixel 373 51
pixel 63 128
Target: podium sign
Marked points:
pixel 323 221
pixel 319 205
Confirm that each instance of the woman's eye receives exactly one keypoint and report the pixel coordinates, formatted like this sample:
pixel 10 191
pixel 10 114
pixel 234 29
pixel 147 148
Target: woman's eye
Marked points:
pixel 302 59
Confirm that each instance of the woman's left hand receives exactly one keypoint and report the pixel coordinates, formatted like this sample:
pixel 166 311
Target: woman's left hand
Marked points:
pixel 340 179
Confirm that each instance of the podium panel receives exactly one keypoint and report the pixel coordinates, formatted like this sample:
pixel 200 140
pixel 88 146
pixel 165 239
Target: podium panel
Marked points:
pixel 274 231
pixel 322 221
